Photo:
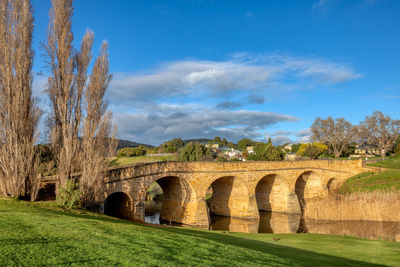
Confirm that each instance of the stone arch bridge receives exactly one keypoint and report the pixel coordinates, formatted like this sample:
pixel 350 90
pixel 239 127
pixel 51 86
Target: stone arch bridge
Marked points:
pixel 239 189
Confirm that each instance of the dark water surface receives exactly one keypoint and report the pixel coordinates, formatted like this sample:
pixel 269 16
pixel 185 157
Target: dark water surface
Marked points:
pixel 275 222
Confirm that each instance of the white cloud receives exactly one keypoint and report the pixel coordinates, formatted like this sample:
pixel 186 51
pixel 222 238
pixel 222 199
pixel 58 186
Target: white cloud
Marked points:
pixel 192 121
pixel 208 94
pixel 283 137
pixel 243 74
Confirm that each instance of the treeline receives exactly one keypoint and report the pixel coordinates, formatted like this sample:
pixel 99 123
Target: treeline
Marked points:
pixel 331 138
pixel 80 128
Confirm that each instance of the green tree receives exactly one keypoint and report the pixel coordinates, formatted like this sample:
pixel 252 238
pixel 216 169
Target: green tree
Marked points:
pixel 194 152
pixel 231 145
pixel 224 142
pixel 266 152
pixel 313 150
pixel 132 151
pixel 171 146
pixel 217 140
pixel 244 143
pixel 295 148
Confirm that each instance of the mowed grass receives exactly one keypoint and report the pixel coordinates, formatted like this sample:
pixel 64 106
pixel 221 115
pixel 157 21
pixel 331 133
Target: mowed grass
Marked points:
pixel 393 162
pixel 388 180
pixel 37 234
pixel 140 159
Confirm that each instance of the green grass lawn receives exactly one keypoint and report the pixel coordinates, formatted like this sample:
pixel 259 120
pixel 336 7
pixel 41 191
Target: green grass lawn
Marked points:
pixel 393 162
pixel 37 234
pixel 130 160
pixel 370 181
pixel 388 180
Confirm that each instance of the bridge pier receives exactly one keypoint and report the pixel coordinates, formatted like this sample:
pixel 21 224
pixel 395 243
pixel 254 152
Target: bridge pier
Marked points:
pixel 293 205
pixel 138 212
pixel 202 218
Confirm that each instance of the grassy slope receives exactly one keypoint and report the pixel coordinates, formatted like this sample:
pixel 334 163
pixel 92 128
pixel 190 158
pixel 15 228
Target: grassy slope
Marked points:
pixel 392 162
pixel 369 181
pixel 35 234
pixel 130 160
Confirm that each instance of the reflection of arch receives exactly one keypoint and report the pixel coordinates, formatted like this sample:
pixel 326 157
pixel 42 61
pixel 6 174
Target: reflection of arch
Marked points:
pixel 308 185
pixel 271 193
pixel 176 195
pixel 221 194
pixel 118 205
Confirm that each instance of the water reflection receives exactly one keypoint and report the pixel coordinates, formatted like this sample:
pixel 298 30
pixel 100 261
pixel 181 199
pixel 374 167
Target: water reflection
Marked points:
pixel 274 222
pixel 363 229
pixel 234 224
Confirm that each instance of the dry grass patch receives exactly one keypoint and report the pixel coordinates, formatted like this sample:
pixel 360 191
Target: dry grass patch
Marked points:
pixel 369 206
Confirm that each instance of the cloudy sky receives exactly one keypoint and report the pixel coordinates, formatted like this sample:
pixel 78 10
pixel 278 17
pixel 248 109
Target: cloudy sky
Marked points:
pixel 255 69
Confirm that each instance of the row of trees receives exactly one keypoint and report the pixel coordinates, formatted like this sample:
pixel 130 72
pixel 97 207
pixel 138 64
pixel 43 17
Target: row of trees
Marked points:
pixel 80 127
pixel 378 131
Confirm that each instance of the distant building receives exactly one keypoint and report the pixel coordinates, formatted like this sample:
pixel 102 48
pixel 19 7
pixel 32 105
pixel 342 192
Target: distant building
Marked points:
pixel 288 147
pixel 230 152
pixel 250 149
pixel 212 146
pixel 291 156
pixel 366 150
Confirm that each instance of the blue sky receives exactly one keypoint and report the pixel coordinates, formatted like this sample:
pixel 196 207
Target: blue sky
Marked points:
pixel 255 69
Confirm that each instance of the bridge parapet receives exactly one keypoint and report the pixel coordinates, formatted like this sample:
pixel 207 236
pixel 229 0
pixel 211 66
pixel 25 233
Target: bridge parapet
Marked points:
pixel 140 170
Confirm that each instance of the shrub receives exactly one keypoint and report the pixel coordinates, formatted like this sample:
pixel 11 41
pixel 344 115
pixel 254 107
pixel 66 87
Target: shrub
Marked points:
pixel 132 151
pixel 69 196
pixel 222 159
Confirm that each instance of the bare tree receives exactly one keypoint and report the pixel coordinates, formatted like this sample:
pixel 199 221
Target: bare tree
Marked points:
pixel 98 139
pixel 64 90
pixel 336 133
pixel 78 106
pixel 18 113
pixel 379 131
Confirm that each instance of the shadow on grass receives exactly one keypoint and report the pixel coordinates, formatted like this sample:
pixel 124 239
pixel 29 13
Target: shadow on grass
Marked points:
pixel 303 257
pixel 295 255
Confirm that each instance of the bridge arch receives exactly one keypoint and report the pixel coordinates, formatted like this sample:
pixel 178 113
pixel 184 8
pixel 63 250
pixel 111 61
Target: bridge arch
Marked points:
pixel 229 196
pixel 177 193
pixel 119 204
pixel 271 193
pixel 308 185
pixel 221 192
pixel 332 185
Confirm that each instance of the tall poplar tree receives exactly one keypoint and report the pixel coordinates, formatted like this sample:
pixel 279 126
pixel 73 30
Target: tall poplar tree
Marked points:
pixel 18 113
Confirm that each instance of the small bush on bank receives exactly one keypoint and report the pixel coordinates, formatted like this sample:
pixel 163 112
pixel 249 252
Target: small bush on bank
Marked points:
pixel 69 196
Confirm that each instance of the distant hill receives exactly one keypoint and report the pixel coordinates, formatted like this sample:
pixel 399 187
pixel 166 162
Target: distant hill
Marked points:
pixel 127 143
